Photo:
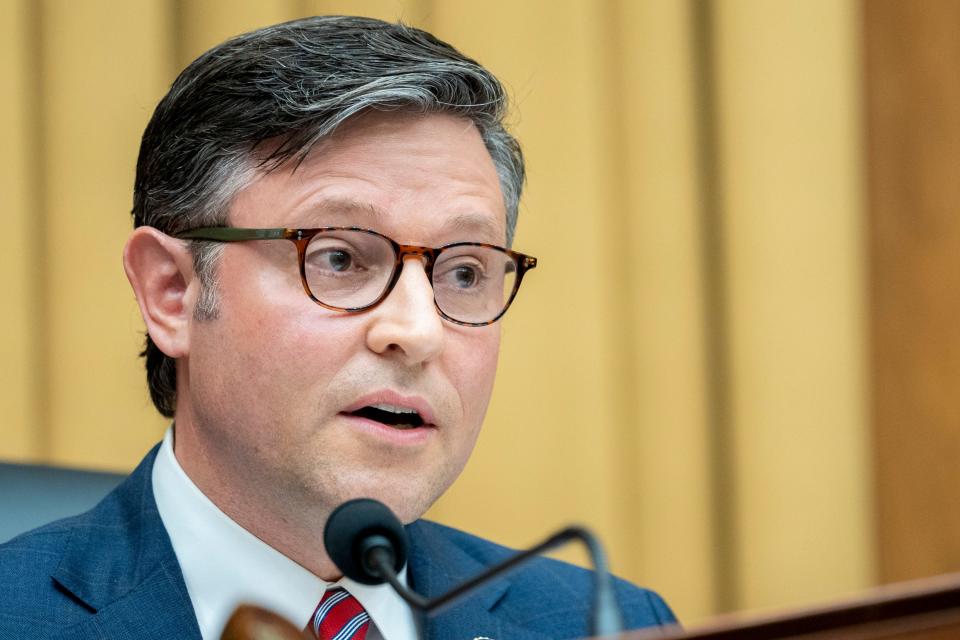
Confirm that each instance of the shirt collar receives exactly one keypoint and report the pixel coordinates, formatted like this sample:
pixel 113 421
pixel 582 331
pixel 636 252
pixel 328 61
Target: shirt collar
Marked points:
pixel 225 565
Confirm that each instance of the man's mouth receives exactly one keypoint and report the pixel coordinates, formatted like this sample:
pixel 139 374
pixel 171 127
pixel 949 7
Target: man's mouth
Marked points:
pixel 390 415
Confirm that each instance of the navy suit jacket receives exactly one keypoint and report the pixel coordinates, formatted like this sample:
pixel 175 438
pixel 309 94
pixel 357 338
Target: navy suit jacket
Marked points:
pixel 112 573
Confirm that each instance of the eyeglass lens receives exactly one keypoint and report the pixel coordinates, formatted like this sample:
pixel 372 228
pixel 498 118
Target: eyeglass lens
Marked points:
pixel 351 269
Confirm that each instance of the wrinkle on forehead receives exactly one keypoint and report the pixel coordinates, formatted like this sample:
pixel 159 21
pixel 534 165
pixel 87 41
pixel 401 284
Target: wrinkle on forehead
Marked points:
pixel 466 225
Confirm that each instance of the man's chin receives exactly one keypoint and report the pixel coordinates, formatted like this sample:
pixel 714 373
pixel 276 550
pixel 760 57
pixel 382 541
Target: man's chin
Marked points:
pixel 407 508
pixel 407 501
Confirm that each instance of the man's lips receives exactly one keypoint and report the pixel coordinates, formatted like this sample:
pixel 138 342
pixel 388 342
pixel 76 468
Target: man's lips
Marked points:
pixel 396 405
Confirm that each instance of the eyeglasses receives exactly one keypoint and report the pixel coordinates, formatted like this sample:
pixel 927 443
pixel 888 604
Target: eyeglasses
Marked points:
pixel 352 269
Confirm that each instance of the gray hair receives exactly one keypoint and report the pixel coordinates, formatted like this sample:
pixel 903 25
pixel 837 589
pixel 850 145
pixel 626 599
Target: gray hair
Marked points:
pixel 294 83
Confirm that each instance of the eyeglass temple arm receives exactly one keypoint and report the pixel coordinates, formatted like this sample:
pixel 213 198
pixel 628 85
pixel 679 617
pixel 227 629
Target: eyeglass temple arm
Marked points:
pixel 234 234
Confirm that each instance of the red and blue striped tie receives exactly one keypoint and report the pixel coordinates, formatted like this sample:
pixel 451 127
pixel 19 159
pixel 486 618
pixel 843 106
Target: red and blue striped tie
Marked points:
pixel 339 616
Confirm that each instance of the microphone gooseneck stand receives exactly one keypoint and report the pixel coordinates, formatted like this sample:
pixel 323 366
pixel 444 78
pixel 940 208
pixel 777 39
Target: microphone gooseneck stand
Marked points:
pixel 606 615
pixel 367 542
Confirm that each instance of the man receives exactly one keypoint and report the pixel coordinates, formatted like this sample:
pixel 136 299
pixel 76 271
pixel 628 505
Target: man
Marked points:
pixel 321 209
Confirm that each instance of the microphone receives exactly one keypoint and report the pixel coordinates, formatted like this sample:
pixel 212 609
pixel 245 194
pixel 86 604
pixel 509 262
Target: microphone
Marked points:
pixel 362 531
pixel 369 545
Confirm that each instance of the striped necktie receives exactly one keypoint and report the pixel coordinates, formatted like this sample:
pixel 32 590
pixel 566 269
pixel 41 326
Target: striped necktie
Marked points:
pixel 339 616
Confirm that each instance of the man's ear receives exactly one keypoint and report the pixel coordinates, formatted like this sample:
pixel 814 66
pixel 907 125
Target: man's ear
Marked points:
pixel 160 270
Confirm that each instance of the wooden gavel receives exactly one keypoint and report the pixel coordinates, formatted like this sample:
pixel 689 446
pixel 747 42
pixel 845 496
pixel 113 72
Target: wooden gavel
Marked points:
pixel 254 623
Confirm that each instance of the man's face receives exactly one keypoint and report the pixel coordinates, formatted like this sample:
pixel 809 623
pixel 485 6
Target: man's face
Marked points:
pixel 272 385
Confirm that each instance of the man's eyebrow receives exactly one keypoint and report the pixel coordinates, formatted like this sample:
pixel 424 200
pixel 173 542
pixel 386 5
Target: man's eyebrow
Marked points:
pixel 342 206
pixel 476 223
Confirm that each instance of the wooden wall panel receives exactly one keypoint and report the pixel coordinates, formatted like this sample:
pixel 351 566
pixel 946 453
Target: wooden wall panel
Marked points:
pixel 20 334
pixel 666 448
pixel 791 238
pixel 913 115
pixel 105 65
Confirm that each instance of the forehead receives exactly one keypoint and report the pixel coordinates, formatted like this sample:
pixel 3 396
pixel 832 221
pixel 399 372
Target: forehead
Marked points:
pixel 403 174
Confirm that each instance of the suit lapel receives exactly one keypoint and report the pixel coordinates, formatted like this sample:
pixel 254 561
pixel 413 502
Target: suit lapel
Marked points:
pixel 153 610
pixel 437 565
pixel 119 563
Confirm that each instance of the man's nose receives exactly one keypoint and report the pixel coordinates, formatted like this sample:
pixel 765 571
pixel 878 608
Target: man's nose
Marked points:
pixel 407 321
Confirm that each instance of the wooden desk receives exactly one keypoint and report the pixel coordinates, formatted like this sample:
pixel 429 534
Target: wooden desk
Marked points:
pixel 921 610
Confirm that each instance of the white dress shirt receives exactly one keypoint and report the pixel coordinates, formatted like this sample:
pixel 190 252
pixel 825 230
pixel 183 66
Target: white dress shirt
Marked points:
pixel 225 565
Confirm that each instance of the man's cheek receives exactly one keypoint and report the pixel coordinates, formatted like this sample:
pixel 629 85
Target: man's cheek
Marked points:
pixel 476 376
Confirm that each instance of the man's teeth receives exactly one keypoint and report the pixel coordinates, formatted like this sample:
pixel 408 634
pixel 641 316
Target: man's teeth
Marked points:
pixel 397 417
pixel 393 409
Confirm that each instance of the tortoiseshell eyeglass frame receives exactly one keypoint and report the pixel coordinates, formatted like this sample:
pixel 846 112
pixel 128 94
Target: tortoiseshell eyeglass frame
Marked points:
pixel 301 238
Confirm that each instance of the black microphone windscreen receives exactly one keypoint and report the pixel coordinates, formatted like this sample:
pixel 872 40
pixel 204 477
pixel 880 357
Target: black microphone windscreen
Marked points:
pixel 351 525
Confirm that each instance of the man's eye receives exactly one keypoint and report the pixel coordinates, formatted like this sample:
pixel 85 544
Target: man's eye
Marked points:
pixel 465 277
pixel 462 277
pixel 339 260
pixel 331 259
